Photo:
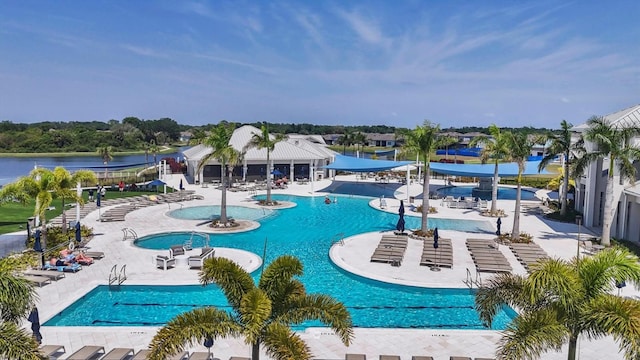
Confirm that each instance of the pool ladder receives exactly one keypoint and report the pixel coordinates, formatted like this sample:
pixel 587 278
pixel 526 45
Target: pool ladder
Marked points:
pixel 338 239
pixel 129 232
pixel 188 245
pixel 117 278
pixel 470 281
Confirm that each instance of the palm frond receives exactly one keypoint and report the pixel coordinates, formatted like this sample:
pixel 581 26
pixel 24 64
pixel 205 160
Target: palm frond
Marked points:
pixel 600 272
pixel 280 271
pixel 283 344
pixel 553 280
pixel 229 276
pixel 530 335
pixel 254 311
pixel 17 297
pixel 192 328
pixel 500 290
pixel 17 343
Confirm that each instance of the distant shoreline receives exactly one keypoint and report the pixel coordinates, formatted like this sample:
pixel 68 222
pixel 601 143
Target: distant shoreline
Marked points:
pixel 87 154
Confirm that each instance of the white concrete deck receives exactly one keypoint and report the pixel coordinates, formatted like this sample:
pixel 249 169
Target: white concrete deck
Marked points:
pixel 557 239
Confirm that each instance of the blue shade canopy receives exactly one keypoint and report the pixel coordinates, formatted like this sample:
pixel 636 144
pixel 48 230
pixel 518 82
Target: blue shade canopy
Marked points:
pixel 486 170
pixel 348 163
pixel 156 182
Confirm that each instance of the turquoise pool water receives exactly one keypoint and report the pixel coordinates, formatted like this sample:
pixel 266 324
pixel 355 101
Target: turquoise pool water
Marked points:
pixel 213 211
pixel 307 232
pixel 504 193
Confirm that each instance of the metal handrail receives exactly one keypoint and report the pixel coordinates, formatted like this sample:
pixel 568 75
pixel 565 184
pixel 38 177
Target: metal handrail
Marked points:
pixel 469 281
pixel 122 276
pixel 129 231
pixel 113 276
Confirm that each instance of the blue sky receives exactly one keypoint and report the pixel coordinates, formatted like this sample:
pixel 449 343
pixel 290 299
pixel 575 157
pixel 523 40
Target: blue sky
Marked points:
pixel 456 63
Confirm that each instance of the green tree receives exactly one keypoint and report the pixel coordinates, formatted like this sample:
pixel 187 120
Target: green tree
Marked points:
pixel 153 147
pixel 264 140
pixel 520 146
pixel 197 136
pixel 359 139
pixel 560 300
pixel 261 314
pixel 424 141
pixel 560 145
pixel 106 153
pixel 65 184
pixel 17 298
pixel 495 149
pixel 616 145
pixel 345 140
pixel 226 155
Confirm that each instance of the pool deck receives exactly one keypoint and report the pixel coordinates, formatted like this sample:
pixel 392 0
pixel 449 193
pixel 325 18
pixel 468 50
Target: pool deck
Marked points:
pixel 557 239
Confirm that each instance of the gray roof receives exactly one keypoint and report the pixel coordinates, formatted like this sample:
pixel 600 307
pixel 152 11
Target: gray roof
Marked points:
pixel 623 118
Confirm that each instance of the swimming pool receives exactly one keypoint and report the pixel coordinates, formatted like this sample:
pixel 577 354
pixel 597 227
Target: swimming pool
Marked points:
pixel 504 193
pixel 307 232
pixel 148 305
pixel 213 212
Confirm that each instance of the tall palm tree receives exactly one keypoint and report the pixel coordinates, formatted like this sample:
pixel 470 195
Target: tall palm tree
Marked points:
pixel 264 140
pixel 65 183
pixel 17 298
pixel 106 153
pixel 495 149
pixel 560 145
pixel 520 146
pixel 262 314
pixel 560 300
pixel 424 141
pixel 448 141
pixel 41 185
pixel 614 144
pixel 153 147
pixel 345 140
pixel 225 154
pixel 197 136
pixel 359 139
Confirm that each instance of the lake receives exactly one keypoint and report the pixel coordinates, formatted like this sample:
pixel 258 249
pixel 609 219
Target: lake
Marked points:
pixel 13 167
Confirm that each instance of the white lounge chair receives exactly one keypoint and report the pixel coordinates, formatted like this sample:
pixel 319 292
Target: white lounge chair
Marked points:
pixel 165 262
pixel 197 261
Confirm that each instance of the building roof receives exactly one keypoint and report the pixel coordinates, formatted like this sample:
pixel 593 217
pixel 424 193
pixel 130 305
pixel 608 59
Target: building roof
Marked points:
pixel 623 118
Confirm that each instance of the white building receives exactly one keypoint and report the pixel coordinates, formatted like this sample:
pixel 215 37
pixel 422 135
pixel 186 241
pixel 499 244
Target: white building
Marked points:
pixel 591 187
pixel 297 157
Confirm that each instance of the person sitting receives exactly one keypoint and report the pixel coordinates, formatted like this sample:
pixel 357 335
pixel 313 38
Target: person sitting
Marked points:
pixel 82 259
pixel 285 180
pixel 54 261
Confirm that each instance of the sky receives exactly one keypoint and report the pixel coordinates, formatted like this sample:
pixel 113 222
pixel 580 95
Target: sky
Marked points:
pixel 398 63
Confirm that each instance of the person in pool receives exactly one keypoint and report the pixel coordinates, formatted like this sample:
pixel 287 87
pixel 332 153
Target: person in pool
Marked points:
pixel 327 200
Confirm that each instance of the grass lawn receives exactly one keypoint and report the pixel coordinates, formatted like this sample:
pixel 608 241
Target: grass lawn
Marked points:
pixel 13 216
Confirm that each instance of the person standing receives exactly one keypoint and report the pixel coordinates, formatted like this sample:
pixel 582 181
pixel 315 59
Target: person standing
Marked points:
pixel 90 194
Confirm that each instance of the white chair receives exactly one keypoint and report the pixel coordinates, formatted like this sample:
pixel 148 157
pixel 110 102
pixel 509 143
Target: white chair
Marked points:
pixel 165 262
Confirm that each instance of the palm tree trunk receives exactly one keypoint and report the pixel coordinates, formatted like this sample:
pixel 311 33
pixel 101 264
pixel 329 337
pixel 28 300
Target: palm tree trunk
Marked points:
pixel 515 232
pixel 64 218
pixel 268 179
pixel 608 211
pixel 255 351
pixel 573 346
pixel 565 187
pixel 494 191
pixel 425 197
pixel 223 201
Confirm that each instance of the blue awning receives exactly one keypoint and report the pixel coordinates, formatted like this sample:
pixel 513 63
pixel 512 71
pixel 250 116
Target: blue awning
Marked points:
pixel 348 163
pixel 486 170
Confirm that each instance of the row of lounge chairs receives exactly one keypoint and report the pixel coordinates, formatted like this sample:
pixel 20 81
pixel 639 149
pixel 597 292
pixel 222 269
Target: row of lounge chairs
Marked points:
pixel 464 203
pixel 94 352
pixel 396 357
pixel 440 257
pixel 487 257
pixel 528 254
pixel 51 273
pixel 118 213
pixel 390 250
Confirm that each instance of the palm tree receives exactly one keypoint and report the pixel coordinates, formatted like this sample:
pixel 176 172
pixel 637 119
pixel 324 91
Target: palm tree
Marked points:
pixel 495 149
pixel 64 188
pixel 226 155
pixel 423 140
pixel 560 300
pixel 560 145
pixel 197 136
pixel 520 145
pixel 17 298
pixel 41 185
pixel 106 153
pixel 262 314
pixel 615 144
pixel 264 140
pixel 153 147
pixel 359 139
pixel 345 140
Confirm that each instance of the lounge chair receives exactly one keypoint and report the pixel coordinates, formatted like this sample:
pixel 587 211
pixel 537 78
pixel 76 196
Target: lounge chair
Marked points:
pixel 118 354
pixel 165 262
pixel 176 250
pixel 355 357
pixel 179 356
pixel 51 351
pixel 65 268
pixel 46 273
pixel 197 261
pixel 199 355
pixel 459 358
pixel 95 255
pixel 389 357
pixel 87 352
pixel 38 280
pixel 239 358
pixel 484 359
pixel 142 354
pixel 422 358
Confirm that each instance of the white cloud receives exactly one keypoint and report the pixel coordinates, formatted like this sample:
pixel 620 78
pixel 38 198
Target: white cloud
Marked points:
pixel 366 29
